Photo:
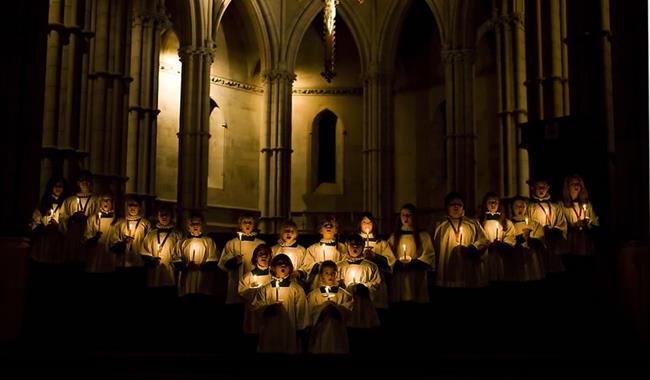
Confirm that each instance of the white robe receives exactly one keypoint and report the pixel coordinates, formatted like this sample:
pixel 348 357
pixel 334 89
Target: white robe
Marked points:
pixel 532 263
pixel 161 244
pixel 232 249
pixel 365 272
pixel 295 252
pixel 411 284
pixel 500 264
pixel 279 333
pixel 100 258
pixel 329 335
pixel 199 250
pixel 550 214
pixel 73 249
pixel 455 268
pixel 316 254
pixel 249 284
pixel 137 229
pixel 579 240
pixel 382 248
pixel 48 246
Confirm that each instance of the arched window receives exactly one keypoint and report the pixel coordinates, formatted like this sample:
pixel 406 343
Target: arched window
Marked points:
pixel 325 147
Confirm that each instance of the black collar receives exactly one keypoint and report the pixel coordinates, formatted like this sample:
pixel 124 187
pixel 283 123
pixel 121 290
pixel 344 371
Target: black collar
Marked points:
pixel 332 289
pixel 259 271
pixel 490 216
pixel 243 237
pixel 109 214
pixel 328 243
pixel 281 282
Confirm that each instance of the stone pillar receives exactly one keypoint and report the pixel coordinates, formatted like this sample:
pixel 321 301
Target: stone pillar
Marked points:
pixel 64 79
pixel 460 134
pixel 194 130
pixel 511 70
pixel 378 151
pixel 149 21
pixel 108 95
pixel 275 159
pixel 549 90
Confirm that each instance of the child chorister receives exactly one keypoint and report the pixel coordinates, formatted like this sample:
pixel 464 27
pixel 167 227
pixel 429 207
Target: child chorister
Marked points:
pixel 580 216
pixel 73 217
pixel 288 244
pixel 99 229
pixel 282 306
pixel 460 244
pixel 328 248
pixel 528 238
pixel 197 256
pixel 329 308
pixel 158 250
pixel 551 216
pixel 250 283
pixel 130 232
pixel 500 232
pixel 361 278
pixel 47 241
pixel 379 252
pixel 237 255
pixel 414 252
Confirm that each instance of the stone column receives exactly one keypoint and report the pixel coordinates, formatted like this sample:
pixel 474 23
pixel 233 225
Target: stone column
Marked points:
pixel 64 79
pixel 460 136
pixel 511 70
pixel 108 95
pixel 149 21
pixel 194 130
pixel 275 141
pixel 378 151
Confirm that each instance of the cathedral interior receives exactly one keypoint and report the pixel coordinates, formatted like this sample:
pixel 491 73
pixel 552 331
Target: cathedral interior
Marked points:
pixel 284 110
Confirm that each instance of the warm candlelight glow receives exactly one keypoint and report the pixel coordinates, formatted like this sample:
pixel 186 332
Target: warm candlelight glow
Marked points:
pixel 460 235
pixel 78 204
pixel 323 251
pixel 526 221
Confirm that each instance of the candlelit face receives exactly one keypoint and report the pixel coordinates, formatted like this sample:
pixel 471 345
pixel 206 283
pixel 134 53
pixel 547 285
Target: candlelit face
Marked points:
pixel 263 259
pixel 518 207
pixel 164 217
pixel 540 189
pixel 366 225
pixel 281 269
pixel 84 185
pixel 328 230
pixel 328 276
pixel 406 217
pixel 289 234
pixel 247 225
pixel 575 187
pixel 57 190
pixel 195 226
pixel 133 208
pixel 354 250
pixel 492 204
pixel 455 208
pixel 106 204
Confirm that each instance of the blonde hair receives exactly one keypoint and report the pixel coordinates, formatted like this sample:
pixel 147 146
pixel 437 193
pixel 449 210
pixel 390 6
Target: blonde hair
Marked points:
pixel 583 196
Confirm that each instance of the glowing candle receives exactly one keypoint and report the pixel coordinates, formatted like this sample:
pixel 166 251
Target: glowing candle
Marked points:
pixel 460 235
pixel 323 251
pixel 277 285
pixel 526 221
pixel 99 221
pixel 327 292
pixel 404 251
pixel 584 208
pixel 193 252
pixel 78 204
pixel 367 236
pixel 497 232
pixel 254 285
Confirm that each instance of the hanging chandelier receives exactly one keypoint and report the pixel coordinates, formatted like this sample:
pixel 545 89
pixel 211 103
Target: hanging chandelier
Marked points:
pixel 329 37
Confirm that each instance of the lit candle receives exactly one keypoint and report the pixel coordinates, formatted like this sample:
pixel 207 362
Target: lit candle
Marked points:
pixel 526 221
pixel 367 236
pixel 323 250
pixel 327 292
pixel 240 234
pixel 254 285
pixel 99 221
pixel 497 232
pixel 404 251
pixel 584 208
pixel 277 296
pixel 460 235
pixel 78 204
pixel 193 252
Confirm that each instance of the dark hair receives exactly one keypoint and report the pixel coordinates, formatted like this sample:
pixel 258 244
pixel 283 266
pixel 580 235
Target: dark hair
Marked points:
pixel 196 215
pixel 454 195
pixel 47 201
pixel 484 208
pixel 85 175
pixel 288 223
pixel 355 239
pixel 328 219
pixel 368 215
pixel 165 207
pixel 248 215
pixel 397 233
pixel 513 200
pixel 260 249
pixel 281 257
pixel 327 264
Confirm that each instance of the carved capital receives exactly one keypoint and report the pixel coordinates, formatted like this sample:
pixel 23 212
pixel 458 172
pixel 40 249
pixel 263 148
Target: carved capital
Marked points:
pixel 192 51
pixel 458 55
pixel 514 19
pixel 279 74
